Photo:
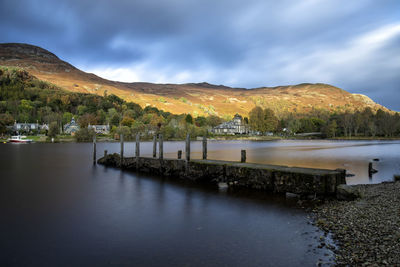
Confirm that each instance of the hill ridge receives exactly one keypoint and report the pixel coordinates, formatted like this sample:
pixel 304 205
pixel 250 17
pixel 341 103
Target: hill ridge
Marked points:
pixel 195 98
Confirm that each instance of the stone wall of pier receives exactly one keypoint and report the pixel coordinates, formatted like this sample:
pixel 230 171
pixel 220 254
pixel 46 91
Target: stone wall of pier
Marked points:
pixel 271 178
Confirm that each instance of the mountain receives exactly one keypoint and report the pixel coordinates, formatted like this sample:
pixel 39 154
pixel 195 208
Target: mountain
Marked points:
pixel 194 98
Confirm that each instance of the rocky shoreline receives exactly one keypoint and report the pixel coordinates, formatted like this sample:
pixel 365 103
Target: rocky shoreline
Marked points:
pixel 367 229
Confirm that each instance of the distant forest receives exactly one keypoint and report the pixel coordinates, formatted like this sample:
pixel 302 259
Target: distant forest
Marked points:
pixel 24 98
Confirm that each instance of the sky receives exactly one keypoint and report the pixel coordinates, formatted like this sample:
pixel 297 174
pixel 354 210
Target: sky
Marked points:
pixel 354 45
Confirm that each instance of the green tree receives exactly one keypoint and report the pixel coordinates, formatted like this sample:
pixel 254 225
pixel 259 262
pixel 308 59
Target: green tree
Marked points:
pixel 189 119
pixel 357 122
pixel 256 119
pixel 214 120
pixel 84 135
pixel 270 120
pixel 127 121
pixel 331 128
pixel 53 129
pixel 81 109
pixel 67 117
pixel 200 121
pixel 5 120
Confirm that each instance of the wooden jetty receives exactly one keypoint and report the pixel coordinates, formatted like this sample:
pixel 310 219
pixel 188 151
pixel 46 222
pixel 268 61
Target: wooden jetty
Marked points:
pixel 271 178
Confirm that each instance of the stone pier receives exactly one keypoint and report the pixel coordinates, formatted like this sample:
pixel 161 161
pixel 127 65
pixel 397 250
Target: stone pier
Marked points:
pixel 271 178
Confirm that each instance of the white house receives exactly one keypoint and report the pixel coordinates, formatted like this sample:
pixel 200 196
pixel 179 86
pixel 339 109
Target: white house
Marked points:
pixel 235 126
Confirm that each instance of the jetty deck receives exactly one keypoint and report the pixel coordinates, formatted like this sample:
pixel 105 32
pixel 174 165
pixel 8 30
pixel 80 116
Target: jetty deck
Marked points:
pixel 270 178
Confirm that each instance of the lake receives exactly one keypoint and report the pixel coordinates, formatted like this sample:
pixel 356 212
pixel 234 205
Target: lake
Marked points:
pixel 353 156
pixel 57 209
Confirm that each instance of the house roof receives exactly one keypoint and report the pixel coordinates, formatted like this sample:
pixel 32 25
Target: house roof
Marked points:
pixel 226 125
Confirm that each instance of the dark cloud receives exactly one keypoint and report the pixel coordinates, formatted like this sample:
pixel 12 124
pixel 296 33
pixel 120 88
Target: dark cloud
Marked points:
pixel 351 44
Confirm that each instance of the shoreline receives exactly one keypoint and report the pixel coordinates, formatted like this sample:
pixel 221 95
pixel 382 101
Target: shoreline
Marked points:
pixel 71 139
pixel 366 230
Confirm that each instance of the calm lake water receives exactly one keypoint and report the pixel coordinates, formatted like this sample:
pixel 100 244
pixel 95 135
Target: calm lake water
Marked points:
pixel 57 209
pixel 353 156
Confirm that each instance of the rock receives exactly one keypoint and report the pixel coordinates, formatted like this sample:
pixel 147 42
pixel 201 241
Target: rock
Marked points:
pixel 346 192
pixel 396 177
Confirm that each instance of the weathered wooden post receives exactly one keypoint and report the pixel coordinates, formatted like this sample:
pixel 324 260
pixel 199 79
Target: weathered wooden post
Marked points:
pixel 179 154
pixel 105 153
pixel 161 146
pixel 121 139
pixel 94 149
pixel 243 156
pixel 137 151
pixel 154 146
pixel 187 151
pixel 371 170
pixel 204 147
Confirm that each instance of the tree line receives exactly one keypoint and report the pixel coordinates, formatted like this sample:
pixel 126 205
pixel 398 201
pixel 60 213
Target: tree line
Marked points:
pixel 24 98
pixel 364 123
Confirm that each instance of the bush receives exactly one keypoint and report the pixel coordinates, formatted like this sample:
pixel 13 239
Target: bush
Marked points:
pixel 84 135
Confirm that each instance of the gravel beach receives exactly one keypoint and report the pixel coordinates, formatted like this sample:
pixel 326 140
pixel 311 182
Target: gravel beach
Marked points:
pixel 366 230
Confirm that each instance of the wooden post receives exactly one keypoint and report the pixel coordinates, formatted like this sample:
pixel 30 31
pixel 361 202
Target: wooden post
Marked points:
pixel 137 148
pixel 105 153
pixel 121 139
pixel 243 156
pixel 187 151
pixel 161 148
pixel 137 152
pixel 179 154
pixel 94 149
pixel 371 170
pixel 154 146
pixel 204 147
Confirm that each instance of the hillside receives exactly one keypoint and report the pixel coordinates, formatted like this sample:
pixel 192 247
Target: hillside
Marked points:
pixel 197 99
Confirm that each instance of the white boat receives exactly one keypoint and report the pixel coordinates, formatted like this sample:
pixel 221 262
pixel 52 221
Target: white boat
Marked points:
pixel 19 139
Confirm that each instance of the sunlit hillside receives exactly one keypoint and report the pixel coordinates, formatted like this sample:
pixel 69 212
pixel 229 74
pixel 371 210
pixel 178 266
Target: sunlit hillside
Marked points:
pixel 197 99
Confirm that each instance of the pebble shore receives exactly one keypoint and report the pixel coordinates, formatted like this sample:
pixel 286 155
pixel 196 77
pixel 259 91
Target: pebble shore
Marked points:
pixel 366 230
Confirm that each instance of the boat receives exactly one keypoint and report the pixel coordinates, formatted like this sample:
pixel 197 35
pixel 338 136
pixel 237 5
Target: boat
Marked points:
pixel 19 139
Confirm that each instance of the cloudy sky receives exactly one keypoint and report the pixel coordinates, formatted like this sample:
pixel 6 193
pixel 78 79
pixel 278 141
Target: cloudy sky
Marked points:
pixel 354 45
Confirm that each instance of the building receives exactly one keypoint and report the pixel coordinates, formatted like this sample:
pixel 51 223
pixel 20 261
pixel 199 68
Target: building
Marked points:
pixel 28 127
pixel 72 127
pixel 235 126
pixel 100 129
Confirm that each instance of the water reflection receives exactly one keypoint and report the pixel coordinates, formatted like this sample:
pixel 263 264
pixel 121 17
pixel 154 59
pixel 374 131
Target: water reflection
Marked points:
pixel 59 209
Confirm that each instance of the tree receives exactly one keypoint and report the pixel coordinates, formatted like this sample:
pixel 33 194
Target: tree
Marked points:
pixel 347 123
pixel 81 109
pixel 368 119
pixel 127 121
pixel 53 129
pixel 5 120
pixel 357 122
pixel 331 128
pixel 213 120
pixel 84 135
pixel 113 116
pixel 256 119
pixel 136 108
pixel 189 119
pixel 67 117
pixel 87 119
pixel 200 121
pixel 270 120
